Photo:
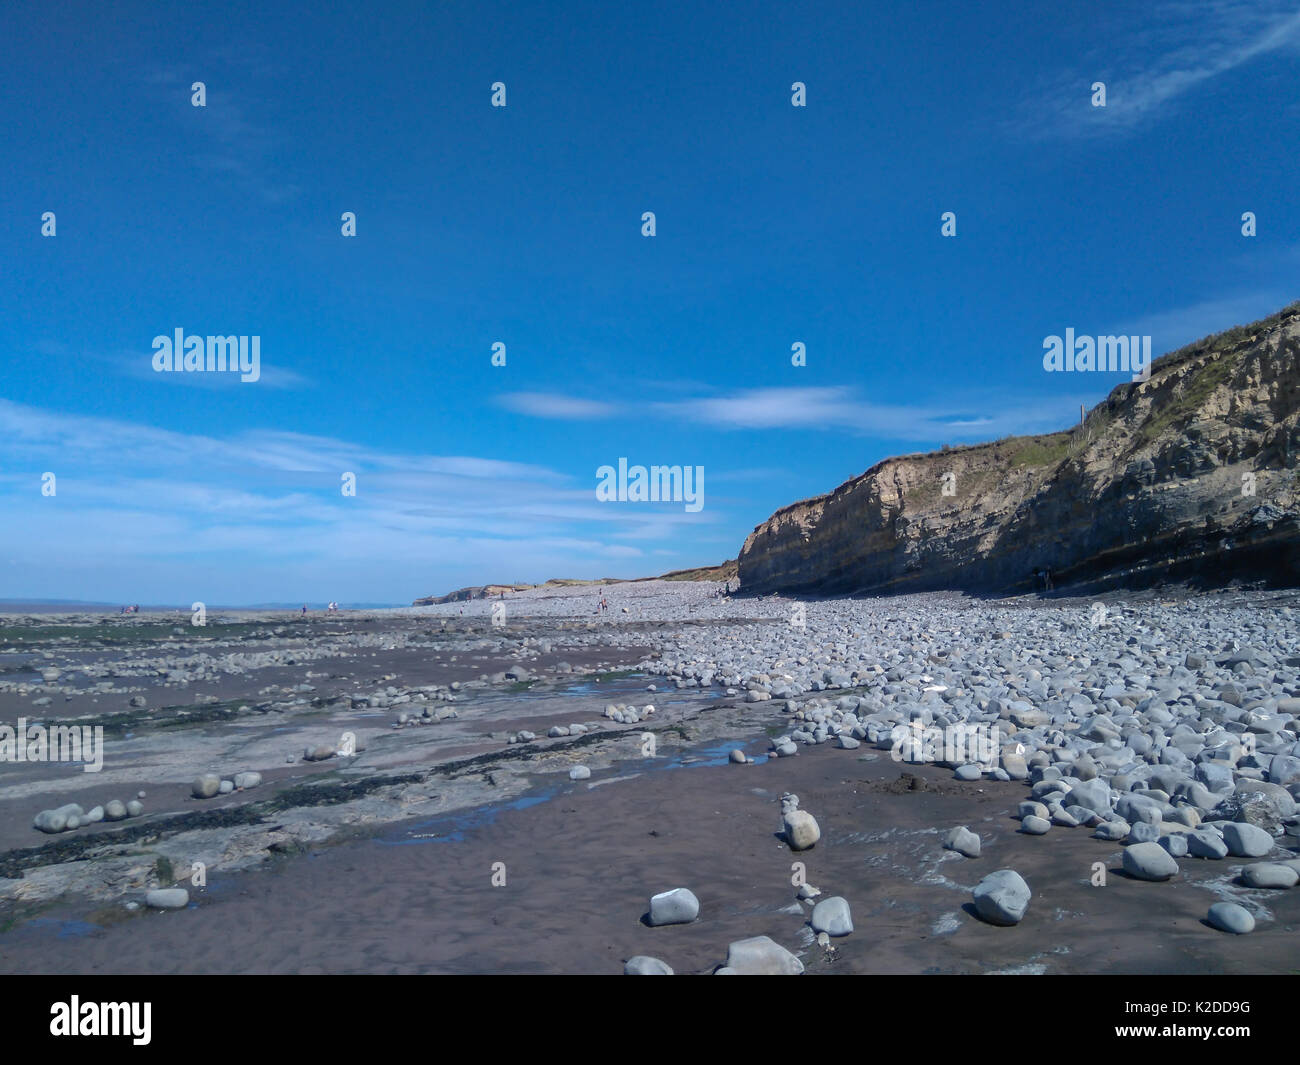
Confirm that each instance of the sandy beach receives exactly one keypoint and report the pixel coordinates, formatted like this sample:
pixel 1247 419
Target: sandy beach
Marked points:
pixel 443 847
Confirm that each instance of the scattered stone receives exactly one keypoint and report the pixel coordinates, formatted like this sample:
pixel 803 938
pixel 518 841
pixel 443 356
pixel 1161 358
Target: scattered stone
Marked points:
pixel 678 906
pixel 1246 841
pixel 642 965
pixel 1149 861
pixel 1229 917
pixel 1002 897
pixel 173 898
pixel 579 772
pixel 1270 875
pixel 832 916
pixel 1204 843
pixel 801 829
pixel 1175 843
pixel 963 841
pixel 206 786
pixel 759 956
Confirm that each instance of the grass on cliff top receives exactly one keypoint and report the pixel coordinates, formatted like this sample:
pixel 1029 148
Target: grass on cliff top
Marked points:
pixel 1037 450
pixel 724 572
pixel 1189 395
pixel 1011 453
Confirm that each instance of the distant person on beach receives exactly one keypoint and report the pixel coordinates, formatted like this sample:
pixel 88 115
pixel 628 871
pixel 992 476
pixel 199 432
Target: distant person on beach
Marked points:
pixel 304 609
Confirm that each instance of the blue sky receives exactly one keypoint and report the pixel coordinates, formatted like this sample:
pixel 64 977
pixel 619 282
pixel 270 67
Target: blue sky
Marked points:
pixel 522 225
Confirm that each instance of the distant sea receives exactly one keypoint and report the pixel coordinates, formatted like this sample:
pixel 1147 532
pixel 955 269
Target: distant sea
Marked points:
pixel 66 606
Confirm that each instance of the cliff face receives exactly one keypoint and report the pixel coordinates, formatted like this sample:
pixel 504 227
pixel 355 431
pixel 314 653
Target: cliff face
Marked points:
pixel 1149 488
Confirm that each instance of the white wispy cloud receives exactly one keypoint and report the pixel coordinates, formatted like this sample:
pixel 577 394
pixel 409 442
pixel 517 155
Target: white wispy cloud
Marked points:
pixel 182 507
pixel 844 409
pixel 1154 58
pixel 555 405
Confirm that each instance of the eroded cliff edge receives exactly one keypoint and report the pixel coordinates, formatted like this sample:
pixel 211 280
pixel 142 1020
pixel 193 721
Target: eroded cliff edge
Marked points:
pixel 1149 488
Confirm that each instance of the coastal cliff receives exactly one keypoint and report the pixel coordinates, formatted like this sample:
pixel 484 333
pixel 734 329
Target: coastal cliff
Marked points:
pixel 1188 475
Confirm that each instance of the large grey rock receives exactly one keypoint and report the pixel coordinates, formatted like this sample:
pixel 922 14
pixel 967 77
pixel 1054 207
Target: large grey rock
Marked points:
pixel 1270 875
pixel 1204 843
pixel 1014 765
pixel 1144 833
pixel 678 906
pixel 51 821
pixel 1083 815
pixel 1149 861
pixel 1135 808
pixel 319 754
pixel 1064 818
pixel 1284 769
pixel 801 829
pixel 643 965
pixel 60 819
pixel 1175 843
pixel 1091 795
pixel 963 841
pixel 832 916
pixel 760 956
pixel 1216 777
pixel 114 810
pixel 1229 917
pixel 1033 825
pixel 1002 897
pixel 174 898
pixel 1246 841
pixel 206 786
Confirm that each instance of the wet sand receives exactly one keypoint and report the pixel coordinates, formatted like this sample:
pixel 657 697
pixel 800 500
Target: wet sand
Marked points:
pixel 385 862
pixel 580 868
